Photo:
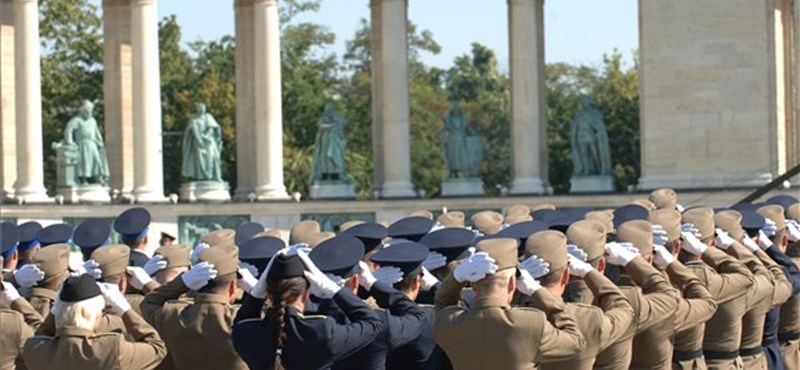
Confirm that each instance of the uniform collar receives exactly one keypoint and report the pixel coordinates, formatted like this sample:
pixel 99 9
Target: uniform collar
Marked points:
pixel 489 302
pixel 210 298
pixel 71 331
pixel 44 293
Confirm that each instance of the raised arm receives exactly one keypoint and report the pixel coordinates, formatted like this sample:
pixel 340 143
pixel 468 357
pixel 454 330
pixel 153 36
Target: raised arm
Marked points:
pixel 364 326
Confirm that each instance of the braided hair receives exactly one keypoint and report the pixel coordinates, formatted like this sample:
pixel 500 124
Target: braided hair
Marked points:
pixel 282 292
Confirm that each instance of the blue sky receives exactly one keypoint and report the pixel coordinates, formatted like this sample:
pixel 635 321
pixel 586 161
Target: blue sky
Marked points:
pixel 576 31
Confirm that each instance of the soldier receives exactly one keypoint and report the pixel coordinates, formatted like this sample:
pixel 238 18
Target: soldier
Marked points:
pixel 696 305
pixel 601 326
pixel 18 322
pixel 450 219
pixel 445 248
pixel 50 267
pixel 246 231
pixel 652 297
pixel 91 234
pixel 510 337
pixel 202 326
pixel 9 237
pixel 410 228
pixel 728 281
pixel 301 229
pixel 285 335
pixel 789 322
pixel 78 345
pixel 487 222
pixel 28 244
pixel 132 227
pixel 256 253
pixel 665 198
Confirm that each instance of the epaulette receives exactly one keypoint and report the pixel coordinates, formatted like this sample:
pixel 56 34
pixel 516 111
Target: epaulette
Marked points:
pixel 426 305
pixel 302 316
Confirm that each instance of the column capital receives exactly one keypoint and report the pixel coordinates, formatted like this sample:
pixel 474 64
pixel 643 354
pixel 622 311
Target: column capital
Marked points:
pixel 143 2
pixel 265 2
pixel 21 1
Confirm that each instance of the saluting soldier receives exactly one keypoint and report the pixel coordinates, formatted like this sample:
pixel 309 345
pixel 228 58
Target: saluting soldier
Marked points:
pixel 285 335
pixel 789 322
pixel 50 267
pixel 9 237
pixel 132 225
pixel 492 334
pixel 18 322
pixel 78 345
pixel 577 291
pixel 728 280
pixel 601 326
pixel 204 325
pixel 54 234
pixel 696 305
pixel 28 244
pixel 91 234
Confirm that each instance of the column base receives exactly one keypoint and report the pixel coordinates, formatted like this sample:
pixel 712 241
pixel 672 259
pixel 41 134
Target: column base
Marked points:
pixel 527 186
pixel 205 192
pixel 591 184
pixel 149 196
pixel 462 187
pixel 269 193
pixel 706 180
pixel 398 189
pixel 91 194
pixel 32 196
pixel 332 190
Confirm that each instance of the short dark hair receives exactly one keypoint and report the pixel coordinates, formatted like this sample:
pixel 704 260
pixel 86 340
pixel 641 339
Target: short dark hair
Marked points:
pixel 552 278
pixel 219 284
pixel 405 284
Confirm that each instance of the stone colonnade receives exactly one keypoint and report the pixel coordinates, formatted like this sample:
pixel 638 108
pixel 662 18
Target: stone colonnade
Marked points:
pixel 131 88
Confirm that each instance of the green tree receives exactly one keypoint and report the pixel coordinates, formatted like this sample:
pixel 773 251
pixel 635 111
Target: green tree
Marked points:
pixel 71 69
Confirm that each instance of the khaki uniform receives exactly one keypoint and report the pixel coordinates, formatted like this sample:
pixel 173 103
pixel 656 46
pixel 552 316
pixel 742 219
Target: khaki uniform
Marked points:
pixel 135 299
pixel 789 330
pixel 601 326
pixel 694 309
pixel 493 335
pixel 729 282
pixel 42 300
pixel 74 348
pixel 578 292
pixel 759 302
pixel 16 326
pixel 653 300
pixel 189 329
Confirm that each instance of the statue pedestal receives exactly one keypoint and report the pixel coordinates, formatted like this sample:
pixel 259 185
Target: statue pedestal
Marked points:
pixel 95 194
pixel 205 192
pixel 332 190
pixel 471 186
pixel 592 184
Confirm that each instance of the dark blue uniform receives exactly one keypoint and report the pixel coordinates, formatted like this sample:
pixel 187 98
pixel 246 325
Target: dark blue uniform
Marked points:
pixel 770 342
pixel 312 342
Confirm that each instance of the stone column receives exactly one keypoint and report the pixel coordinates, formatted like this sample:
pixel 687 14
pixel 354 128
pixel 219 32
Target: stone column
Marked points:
pixel 148 159
pixel 117 94
pixel 528 105
pixel 245 102
pixel 30 159
pixel 268 109
pixel 8 139
pixel 390 92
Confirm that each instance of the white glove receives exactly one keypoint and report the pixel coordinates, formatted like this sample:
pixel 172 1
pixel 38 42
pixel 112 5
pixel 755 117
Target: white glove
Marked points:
pixel 621 254
pixel 324 287
pixel 365 277
pixel 659 235
pixel 690 228
pixel 692 244
pixel 138 277
pixel 680 208
pixel 770 228
pixel 576 252
pixel 250 268
pixel 199 275
pixel 724 240
pixel 428 281
pixel 475 268
pixel 749 243
pixel 535 266
pixel 155 264
pixel 93 269
pixel 763 240
pixel 793 230
pixel 294 248
pixel 28 275
pixel 260 289
pixel 114 298
pixel 76 267
pixel 662 257
pixel 198 249
pixel 434 261
pixel 388 274
pixel 579 268
pixel 247 280
pixel 526 284
pixel 8 294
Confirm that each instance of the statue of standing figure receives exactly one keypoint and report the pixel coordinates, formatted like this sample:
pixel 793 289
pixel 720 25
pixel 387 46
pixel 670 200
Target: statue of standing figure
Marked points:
pixel 589 140
pixel 202 147
pixel 461 144
pixel 329 148
pixel 82 137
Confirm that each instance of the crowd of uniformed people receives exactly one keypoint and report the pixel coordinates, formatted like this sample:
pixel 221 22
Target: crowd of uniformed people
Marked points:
pixel 649 285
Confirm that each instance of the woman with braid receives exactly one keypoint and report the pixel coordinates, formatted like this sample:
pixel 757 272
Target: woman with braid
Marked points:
pixel 285 338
